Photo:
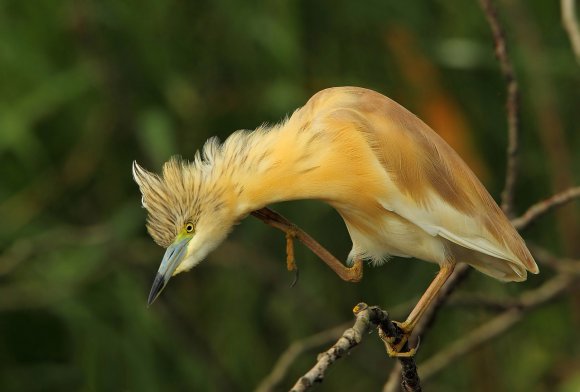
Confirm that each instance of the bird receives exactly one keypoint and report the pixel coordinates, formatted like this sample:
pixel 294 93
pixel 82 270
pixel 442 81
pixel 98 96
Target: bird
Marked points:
pixel 400 189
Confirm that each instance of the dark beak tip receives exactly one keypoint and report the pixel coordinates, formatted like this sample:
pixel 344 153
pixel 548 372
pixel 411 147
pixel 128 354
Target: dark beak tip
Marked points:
pixel 158 285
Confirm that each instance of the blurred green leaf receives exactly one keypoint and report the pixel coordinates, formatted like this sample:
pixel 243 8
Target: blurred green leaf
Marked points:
pixel 156 135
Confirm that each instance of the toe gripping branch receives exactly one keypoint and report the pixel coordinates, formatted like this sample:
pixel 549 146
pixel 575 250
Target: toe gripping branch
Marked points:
pixel 396 340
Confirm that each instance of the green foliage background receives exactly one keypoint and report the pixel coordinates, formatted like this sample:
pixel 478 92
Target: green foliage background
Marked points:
pixel 86 87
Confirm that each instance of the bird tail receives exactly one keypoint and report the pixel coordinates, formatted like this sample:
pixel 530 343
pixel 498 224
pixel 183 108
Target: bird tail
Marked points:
pixel 500 269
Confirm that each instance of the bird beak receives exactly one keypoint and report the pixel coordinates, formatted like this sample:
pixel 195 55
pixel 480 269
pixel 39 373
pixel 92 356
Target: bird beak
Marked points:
pixel 173 256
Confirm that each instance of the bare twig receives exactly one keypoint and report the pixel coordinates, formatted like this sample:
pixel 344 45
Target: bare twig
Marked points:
pixel 496 326
pixel 393 383
pixel 289 356
pixel 545 206
pixel 298 347
pixel 483 302
pixel 470 342
pixel 367 318
pixel 512 105
pixel 571 25
pixel 562 265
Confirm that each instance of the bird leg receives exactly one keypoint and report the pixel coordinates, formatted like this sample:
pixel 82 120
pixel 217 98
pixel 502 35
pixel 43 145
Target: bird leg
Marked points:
pixel 352 274
pixel 272 218
pixel 290 261
pixel 394 347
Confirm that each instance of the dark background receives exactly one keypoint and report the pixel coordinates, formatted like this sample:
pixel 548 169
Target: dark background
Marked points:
pixel 86 87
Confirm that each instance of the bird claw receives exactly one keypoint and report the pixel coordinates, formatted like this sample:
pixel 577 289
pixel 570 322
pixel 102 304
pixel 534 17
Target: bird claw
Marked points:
pixel 296 277
pixel 396 353
pixel 394 345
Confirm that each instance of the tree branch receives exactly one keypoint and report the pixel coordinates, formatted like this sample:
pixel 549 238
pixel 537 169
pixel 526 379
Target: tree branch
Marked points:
pixel 560 264
pixel 512 105
pixel 289 356
pixel 571 25
pixel 367 318
pixel 484 302
pixel 461 272
pixel 349 339
pixel 497 325
pixel 545 206
pixel 298 347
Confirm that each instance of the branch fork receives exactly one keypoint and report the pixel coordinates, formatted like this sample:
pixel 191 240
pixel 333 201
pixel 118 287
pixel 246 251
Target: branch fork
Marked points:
pixel 367 319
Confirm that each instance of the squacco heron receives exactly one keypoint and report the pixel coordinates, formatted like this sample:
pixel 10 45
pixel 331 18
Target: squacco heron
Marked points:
pixel 400 189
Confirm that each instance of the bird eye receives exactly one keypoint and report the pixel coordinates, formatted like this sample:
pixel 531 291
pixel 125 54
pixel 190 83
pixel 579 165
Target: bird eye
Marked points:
pixel 189 227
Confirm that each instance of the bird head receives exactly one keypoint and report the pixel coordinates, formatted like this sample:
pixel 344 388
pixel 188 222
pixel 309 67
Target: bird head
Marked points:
pixel 186 215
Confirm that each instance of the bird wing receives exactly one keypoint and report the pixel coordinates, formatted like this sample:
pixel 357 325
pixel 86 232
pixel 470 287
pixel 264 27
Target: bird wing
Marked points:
pixel 433 187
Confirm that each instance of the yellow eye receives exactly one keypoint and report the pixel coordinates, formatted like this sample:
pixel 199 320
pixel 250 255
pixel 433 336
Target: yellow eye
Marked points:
pixel 189 227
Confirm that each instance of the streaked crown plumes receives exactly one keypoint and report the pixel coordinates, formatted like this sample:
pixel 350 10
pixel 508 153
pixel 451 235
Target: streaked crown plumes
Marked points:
pixel 168 199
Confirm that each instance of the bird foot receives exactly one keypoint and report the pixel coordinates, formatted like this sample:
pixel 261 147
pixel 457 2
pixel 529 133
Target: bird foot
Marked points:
pixel 397 346
pixel 396 354
pixel 290 260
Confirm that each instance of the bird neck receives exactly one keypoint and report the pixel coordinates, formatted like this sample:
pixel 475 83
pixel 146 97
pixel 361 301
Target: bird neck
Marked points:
pixel 298 159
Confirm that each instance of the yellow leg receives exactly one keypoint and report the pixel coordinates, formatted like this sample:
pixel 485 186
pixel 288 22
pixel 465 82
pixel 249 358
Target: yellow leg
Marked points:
pixel 349 274
pixel 428 297
pixel 272 218
pixel 418 311
pixel 290 261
